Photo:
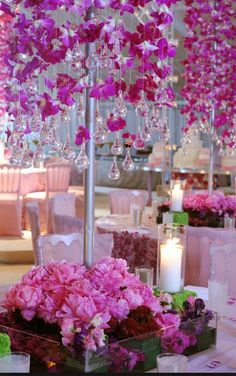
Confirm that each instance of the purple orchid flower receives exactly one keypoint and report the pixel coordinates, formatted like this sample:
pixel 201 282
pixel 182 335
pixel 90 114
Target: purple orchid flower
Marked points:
pixel 47 106
pixel 115 123
pixel 82 135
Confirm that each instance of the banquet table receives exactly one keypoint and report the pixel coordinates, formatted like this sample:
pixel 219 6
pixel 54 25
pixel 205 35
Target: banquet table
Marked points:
pixel 138 245
pixel 222 358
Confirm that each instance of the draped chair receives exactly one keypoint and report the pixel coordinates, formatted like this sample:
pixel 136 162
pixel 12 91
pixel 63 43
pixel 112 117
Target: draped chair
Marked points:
pixel 63 214
pixel 198 243
pixel 59 247
pixel 57 181
pixel 222 263
pixel 79 199
pixel 65 224
pixel 33 215
pixel 10 200
pixel 120 200
pixel 69 247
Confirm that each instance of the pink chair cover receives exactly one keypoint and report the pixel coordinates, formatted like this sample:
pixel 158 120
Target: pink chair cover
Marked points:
pixel 58 177
pixel 61 204
pixel 33 180
pixel 60 247
pixel 79 199
pixel 121 199
pixel 222 262
pixel 198 243
pixel 103 245
pixel 70 247
pixel 57 181
pixel 64 224
pixel 10 201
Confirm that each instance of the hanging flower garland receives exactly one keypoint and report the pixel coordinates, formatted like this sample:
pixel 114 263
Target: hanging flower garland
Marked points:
pixel 5 24
pixel 50 68
pixel 210 68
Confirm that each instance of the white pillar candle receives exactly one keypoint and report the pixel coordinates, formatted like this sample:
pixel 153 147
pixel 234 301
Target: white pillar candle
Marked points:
pixel 170 265
pixel 177 198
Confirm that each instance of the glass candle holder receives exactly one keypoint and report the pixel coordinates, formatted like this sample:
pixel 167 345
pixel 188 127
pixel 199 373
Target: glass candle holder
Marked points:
pixel 229 222
pixel 145 274
pixel 15 362
pixel 176 195
pixel 171 257
pixel 136 213
pixel 170 362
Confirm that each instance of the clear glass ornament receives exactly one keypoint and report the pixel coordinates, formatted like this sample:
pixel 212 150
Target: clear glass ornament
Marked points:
pixel 68 57
pixel 53 123
pixel 32 86
pixel 56 143
pixel 104 59
pixel 164 132
pixel 142 108
pixel 98 117
pixel 16 155
pixel 77 52
pixel 65 116
pixel 39 153
pixel 91 62
pixel 26 160
pixel 13 140
pixel 80 111
pixel 35 124
pixel 100 135
pixel 128 163
pixel 146 132
pixel 77 66
pixel 117 147
pixel 20 125
pixel 67 151
pixel 46 135
pixel 114 172
pixel 82 161
pixel 155 119
pixel 120 109
pixel 139 142
pixel 161 96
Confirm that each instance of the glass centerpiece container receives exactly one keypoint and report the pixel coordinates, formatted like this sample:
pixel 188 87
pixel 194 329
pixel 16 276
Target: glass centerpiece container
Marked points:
pixel 135 354
pixel 171 257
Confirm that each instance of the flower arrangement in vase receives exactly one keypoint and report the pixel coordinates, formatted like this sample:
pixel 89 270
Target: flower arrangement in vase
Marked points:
pixel 72 317
pixel 205 209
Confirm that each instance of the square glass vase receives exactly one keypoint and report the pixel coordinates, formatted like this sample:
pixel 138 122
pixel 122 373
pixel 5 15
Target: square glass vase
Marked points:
pixel 135 354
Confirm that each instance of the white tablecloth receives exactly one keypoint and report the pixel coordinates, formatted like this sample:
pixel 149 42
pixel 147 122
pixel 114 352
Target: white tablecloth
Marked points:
pixel 222 359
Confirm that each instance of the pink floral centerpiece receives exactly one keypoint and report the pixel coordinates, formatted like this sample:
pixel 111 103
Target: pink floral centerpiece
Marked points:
pixel 205 209
pixel 88 308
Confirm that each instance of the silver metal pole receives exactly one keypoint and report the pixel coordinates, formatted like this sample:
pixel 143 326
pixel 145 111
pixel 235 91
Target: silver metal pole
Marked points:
pixel 211 153
pixel 211 133
pixel 90 172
